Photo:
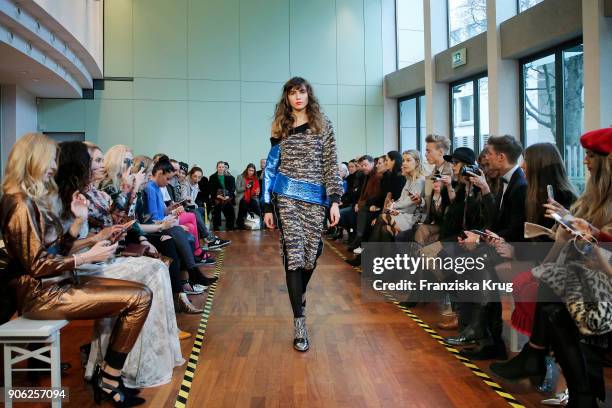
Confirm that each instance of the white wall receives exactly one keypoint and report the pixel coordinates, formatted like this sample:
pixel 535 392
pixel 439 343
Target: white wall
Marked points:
pixel 83 19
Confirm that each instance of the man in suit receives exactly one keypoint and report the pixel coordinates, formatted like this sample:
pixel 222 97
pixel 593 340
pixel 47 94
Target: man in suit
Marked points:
pixel 222 187
pixel 507 217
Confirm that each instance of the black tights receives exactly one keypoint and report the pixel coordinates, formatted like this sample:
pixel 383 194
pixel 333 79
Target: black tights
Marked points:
pixel 297 281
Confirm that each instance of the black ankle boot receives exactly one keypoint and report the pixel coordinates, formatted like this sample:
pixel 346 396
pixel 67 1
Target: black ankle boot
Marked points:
pixel 473 332
pixel 530 362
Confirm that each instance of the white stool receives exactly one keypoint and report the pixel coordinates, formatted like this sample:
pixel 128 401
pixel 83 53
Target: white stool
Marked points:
pixel 21 331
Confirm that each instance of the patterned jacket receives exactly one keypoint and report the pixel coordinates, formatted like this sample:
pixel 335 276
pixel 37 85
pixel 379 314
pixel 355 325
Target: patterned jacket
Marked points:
pixel 307 160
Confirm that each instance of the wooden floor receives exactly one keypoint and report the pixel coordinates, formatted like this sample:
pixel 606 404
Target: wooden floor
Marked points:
pixel 362 354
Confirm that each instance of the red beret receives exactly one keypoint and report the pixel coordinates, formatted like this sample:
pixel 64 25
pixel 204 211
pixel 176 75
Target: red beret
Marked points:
pixel 599 141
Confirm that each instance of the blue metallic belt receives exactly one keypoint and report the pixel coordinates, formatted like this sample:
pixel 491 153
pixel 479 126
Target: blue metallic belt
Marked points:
pixel 300 190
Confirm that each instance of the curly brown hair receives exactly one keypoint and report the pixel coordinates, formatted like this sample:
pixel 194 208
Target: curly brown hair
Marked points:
pixel 283 114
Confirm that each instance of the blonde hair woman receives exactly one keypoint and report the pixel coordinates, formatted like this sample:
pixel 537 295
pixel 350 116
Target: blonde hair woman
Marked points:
pixel 401 215
pixel 42 279
pixel 119 183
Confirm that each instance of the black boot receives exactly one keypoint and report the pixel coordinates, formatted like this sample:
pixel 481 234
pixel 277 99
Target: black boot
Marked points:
pixel 530 362
pixel 565 342
pixel 473 332
pixel 488 349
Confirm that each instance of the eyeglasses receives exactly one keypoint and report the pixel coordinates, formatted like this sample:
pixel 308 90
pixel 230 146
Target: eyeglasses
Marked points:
pixel 128 162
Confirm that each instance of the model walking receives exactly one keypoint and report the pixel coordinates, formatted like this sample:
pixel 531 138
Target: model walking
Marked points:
pixel 300 180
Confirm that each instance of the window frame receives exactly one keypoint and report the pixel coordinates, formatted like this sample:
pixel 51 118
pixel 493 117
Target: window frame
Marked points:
pixel 417 96
pixel 476 109
pixel 557 52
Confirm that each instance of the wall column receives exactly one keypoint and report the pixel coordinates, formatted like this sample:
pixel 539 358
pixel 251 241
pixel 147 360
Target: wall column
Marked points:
pixel 436 40
pixel 504 102
pixel 597 40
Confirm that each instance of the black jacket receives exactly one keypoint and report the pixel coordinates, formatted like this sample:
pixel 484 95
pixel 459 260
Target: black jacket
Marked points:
pixel 214 185
pixel 390 183
pixel 354 184
pixel 204 194
pixel 509 220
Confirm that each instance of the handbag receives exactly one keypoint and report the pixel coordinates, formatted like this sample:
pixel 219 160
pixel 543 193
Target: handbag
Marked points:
pixel 252 222
pixel 586 292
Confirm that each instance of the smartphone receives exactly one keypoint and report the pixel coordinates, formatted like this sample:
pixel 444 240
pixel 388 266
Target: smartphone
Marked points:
pixel 483 234
pixel 563 221
pixel 128 225
pixel 549 191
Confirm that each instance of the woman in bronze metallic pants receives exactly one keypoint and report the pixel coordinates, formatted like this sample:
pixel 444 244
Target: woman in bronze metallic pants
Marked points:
pixel 40 269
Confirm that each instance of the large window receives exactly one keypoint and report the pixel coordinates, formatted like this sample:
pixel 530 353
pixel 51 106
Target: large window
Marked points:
pixel 410 32
pixel 466 18
pixel 470 113
pixel 525 4
pixel 552 100
pixel 412 122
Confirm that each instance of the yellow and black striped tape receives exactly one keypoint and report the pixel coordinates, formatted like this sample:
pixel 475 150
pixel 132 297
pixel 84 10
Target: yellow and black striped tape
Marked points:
pixel 192 362
pixel 464 360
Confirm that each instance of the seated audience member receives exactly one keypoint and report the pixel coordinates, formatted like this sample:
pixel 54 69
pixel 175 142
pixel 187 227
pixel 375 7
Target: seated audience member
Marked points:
pixel 343 170
pixel 354 182
pixel 190 191
pixel 157 351
pixel 464 210
pixel 118 183
pixel 262 166
pixel 436 146
pixel 247 194
pixel 156 207
pixel 391 185
pixel 222 187
pixel 370 192
pixel 554 328
pixel 402 214
pixel 41 273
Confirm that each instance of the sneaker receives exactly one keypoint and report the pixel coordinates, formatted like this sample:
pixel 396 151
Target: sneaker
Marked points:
pixel 218 243
pixel 193 289
pixel 358 250
pixel 205 262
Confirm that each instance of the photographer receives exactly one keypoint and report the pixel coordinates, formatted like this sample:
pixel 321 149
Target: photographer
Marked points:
pixel 222 187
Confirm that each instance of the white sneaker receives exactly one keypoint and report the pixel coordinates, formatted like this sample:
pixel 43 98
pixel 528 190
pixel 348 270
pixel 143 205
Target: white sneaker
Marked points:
pixel 560 399
pixel 358 250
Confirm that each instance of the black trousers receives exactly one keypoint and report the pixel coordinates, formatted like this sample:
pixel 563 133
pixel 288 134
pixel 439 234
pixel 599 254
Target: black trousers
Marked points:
pixel 228 210
pixel 245 208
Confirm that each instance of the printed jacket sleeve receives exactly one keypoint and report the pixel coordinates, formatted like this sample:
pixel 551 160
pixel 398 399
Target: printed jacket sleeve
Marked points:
pixel 269 174
pixel 331 174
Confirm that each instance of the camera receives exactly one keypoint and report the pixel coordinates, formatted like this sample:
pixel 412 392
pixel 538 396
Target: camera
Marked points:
pixel 471 168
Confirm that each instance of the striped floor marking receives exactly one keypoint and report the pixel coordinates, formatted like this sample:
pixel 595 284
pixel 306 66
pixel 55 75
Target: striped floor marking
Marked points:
pixel 452 350
pixel 192 362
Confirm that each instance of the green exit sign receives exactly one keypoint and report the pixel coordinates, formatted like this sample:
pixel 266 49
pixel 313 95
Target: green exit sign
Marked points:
pixel 459 58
